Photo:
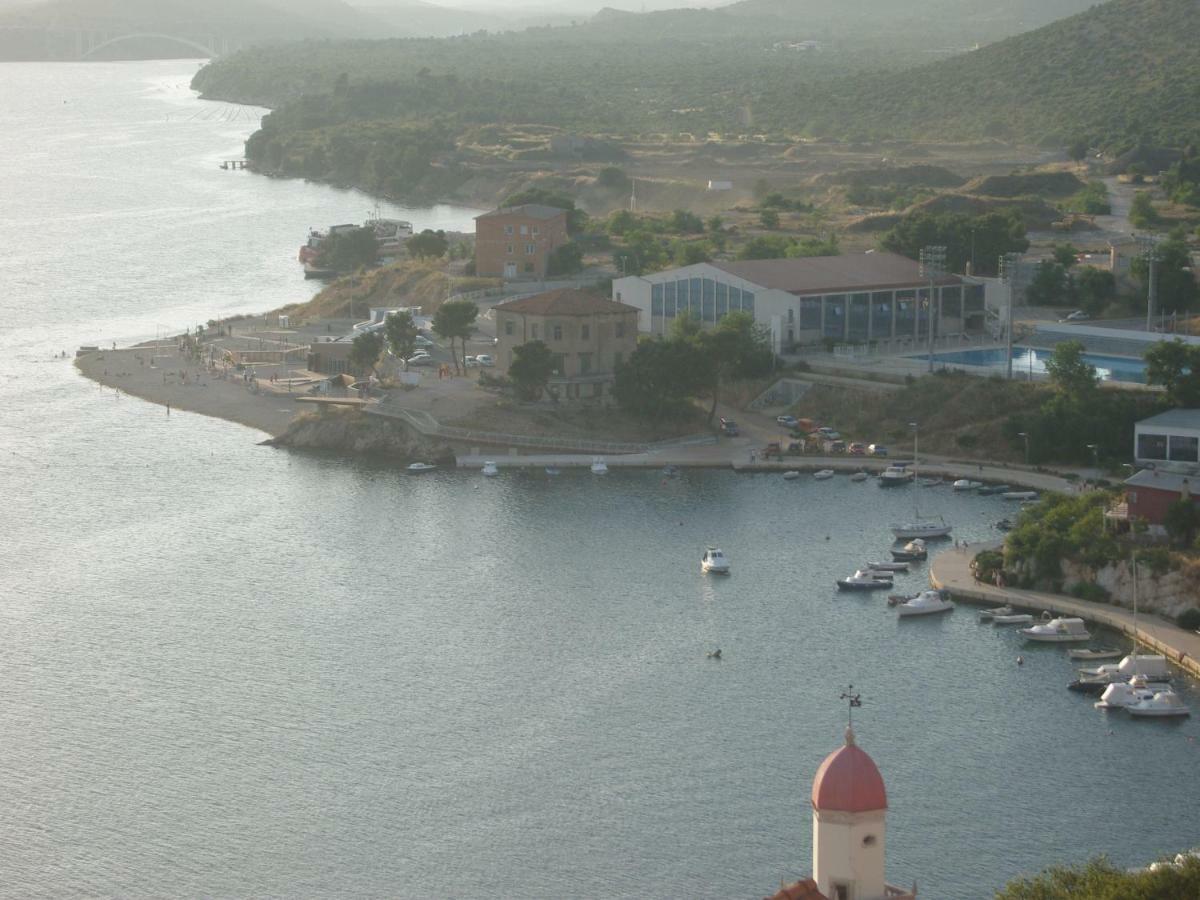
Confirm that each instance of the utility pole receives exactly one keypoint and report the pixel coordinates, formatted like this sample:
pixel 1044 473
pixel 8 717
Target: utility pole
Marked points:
pixel 933 267
pixel 1010 274
pixel 1150 253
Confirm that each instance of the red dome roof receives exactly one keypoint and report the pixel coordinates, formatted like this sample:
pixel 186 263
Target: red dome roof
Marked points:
pixel 848 781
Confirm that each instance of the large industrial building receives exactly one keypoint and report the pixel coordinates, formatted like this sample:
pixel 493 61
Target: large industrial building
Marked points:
pixel 852 298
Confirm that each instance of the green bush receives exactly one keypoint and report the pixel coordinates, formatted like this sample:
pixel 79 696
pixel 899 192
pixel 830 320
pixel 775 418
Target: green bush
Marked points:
pixel 1087 590
pixel 1156 559
pixel 1189 619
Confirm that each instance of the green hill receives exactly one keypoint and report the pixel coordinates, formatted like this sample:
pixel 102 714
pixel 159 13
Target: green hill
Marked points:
pixel 1120 74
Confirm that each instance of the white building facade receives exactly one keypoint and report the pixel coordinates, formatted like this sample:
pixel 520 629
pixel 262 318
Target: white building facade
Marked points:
pixel 853 299
pixel 1170 439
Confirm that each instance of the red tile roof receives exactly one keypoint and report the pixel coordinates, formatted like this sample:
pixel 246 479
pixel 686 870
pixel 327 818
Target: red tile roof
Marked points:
pixel 799 890
pixel 567 302
pixel 848 781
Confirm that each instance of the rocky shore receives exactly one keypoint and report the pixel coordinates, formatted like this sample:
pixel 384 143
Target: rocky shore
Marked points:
pixel 349 431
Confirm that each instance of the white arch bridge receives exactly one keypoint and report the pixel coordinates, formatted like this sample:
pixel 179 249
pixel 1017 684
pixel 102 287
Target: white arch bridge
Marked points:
pixel 92 41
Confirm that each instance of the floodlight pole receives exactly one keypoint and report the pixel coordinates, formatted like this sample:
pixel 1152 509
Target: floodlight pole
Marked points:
pixel 933 266
pixel 1010 274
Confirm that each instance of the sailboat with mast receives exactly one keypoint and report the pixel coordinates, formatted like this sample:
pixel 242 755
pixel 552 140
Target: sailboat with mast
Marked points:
pixel 919 527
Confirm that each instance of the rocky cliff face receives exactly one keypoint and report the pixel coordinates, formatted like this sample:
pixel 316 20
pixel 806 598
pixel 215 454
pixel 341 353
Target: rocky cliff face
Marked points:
pixel 353 433
pixel 1168 595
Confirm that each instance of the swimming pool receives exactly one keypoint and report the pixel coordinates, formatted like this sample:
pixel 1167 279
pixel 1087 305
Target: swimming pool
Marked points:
pixel 1033 360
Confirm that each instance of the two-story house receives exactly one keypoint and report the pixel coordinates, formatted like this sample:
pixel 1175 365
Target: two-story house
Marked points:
pixel 516 241
pixel 589 335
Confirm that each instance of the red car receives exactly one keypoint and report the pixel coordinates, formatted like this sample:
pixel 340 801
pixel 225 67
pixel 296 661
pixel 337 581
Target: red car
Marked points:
pixel 857 449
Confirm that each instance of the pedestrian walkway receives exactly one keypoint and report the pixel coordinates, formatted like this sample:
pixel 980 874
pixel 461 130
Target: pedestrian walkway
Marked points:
pixel 951 570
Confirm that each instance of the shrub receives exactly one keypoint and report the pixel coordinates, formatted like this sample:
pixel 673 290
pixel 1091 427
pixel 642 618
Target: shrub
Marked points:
pixel 1156 559
pixel 1189 619
pixel 966 441
pixel 1086 590
pixel 987 563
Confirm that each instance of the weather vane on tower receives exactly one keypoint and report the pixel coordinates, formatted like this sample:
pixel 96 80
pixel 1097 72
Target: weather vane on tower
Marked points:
pixel 855 700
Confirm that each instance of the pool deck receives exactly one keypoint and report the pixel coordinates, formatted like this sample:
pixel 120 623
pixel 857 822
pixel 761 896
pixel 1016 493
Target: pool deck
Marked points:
pixel 951 570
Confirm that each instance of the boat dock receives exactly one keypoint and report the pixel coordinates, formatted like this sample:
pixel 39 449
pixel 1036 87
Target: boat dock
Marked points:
pixel 951 570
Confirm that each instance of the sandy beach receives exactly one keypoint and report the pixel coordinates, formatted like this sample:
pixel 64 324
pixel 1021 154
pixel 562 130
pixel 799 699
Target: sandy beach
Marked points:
pixel 165 376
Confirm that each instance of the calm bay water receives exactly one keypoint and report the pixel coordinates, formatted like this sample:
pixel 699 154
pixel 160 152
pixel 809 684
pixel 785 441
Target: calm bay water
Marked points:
pixel 232 671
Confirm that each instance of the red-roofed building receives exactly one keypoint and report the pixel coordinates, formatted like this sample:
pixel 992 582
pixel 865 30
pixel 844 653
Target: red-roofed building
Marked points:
pixel 588 334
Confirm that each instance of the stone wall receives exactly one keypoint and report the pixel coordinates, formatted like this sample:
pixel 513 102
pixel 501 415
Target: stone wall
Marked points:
pixel 1166 595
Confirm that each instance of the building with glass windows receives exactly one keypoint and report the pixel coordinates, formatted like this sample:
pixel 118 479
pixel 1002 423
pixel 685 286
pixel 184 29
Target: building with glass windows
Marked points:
pixel 852 298
pixel 1170 438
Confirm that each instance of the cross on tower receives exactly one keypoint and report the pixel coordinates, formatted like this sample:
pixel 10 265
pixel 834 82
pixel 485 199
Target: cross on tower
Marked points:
pixel 855 700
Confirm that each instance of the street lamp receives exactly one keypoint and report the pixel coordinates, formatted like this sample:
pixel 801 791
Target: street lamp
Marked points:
pixel 916 440
pixel 933 267
pixel 1095 448
pixel 1022 434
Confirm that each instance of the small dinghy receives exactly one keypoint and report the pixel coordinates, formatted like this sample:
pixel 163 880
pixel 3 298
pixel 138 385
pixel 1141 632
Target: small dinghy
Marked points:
pixel 888 566
pixel 914 550
pixel 990 489
pixel 823 474
pixel 418 467
pixel 1019 495
pixel 599 466
pixel 966 484
pixel 1089 653
pixel 860 475
pixel 791 475
pixel 1014 619
pixel 1005 610
pixel 490 469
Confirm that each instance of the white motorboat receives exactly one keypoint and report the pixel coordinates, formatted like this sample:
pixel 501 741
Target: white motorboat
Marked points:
pixel 1095 653
pixel 1005 610
pixel 713 562
pixel 1163 704
pixel 791 475
pixel 823 474
pixel 860 475
pixel 1013 619
pixel 925 603
pixel 966 484
pixel 865 580
pixel 489 468
pixel 599 466
pixel 1150 665
pixel 1061 630
pixel 913 551
pixel 418 467
pixel 1019 495
pixel 553 470
pixel 1122 694
pixel 893 476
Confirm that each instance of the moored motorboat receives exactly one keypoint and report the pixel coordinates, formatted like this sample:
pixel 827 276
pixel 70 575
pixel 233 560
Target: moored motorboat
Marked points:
pixel 713 562
pixel 1005 610
pixel 894 476
pixel 823 474
pixel 1060 630
pixel 1123 694
pixel 599 466
pixel 670 471
pixel 913 551
pixel 791 475
pixel 860 475
pixel 928 528
pixel 864 580
pixel 1095 653
pixel 1013 619
pixel 418 467
pixel 966 484
pixel 490 468
pixel 925 603
pixel 1163 704
pixel 1148 665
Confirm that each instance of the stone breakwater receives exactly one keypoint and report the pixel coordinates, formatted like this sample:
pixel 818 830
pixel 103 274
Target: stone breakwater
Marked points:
pixel 351 432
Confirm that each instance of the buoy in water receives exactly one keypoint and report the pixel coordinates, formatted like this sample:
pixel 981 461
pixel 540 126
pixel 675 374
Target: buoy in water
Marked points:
pixel 1020 660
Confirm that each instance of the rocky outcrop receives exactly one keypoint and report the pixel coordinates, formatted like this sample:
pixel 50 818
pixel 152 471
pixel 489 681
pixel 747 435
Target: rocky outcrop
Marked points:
pixel 352 433
pixel 1168 594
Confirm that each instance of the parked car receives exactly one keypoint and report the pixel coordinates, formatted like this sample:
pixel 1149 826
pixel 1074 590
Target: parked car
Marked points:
pixel 857 449
pixel 729 428
pixel 421 341
pixel 1078 316
pixel 485 360
pixel 828 433
pixel 470 362
pixel 877 450
pixel 835 446
pixel 422 360
pixel 787 421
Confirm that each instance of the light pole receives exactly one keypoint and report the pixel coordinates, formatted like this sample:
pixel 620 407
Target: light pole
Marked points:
pixel 1095 448
pixel 933 266
pixel 916 444
pixel 1022 434
pixel 1150 253
pixel 1010 274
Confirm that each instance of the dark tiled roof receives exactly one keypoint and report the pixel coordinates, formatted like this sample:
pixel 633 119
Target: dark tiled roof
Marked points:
pixel 799 890
pixel 566 302
pixel 532 210
pixel 832 274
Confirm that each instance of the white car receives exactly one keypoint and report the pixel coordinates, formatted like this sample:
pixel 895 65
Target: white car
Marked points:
pixel 470 361
pixel 422 341
pixel 787 421
pixel 484 360
pixel 1078 316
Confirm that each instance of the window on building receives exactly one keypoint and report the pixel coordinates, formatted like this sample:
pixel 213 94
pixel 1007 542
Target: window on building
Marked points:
pixel 535 229
pixel 508 249
pixel 533 332
pixel 952 302
pixel 906 313
pixel 509 327
pixel 585 363
pixel 748 302
pixel 559 362
pixel 810 313
pixel 860 315
pixel 668 300
pixel 585 332
pixel 735 299
pixel 835 316
pixel 656 300
pixel 524 229
pixel 508 229
pixel 695 306
pixel 972 298
pixel 530 249
pixel 1183 449
pixel 1152 446
pixel 881 314
pixel 558 332
pixel 710 300
pixel 620 329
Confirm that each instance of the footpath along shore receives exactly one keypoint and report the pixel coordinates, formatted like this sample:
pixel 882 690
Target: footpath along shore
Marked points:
pixel 951 570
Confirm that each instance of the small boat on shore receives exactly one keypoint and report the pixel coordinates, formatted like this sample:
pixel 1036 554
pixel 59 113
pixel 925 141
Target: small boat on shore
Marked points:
pixel 966 484
pixel 1163 704
pixel 1013 619
pixel 1095 653
pixel 913 551
pixel 418 467
pixel 490 469
pixel 1061 630
pixel 925 603
pixel 823 474
pixel 864 580
pixel 713 562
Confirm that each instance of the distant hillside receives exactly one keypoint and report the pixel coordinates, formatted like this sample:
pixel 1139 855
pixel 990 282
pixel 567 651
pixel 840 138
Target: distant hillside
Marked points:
pixel 1119 74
